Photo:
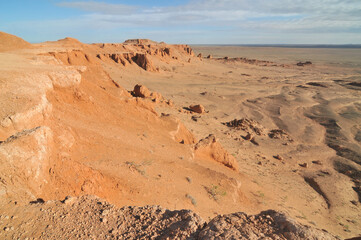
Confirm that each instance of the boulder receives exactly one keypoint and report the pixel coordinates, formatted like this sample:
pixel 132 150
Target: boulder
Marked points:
pixel 141 91
pixel 197 108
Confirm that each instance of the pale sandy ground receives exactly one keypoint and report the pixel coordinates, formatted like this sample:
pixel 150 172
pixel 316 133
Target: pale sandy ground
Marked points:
pixel 274 96
pixel 92 137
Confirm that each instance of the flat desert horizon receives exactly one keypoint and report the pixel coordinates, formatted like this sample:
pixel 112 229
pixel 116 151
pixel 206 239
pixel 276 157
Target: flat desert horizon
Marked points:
pixel 337 56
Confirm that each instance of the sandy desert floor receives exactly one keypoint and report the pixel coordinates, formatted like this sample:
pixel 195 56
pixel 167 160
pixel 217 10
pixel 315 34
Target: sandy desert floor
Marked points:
pixel 288 136
pixel 318 106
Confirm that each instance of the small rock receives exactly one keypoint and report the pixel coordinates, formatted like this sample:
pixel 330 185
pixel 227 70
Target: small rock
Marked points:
pixel 105 212
pixel 278 157
pixel 195 118
pixel 318 162
pixel 141 91
pixel 69 200
pixel 170 103
pixel 354 202
pixel 253 140
pixel 305 165
pixel 248 136
pixel 301 64
pixel 197 108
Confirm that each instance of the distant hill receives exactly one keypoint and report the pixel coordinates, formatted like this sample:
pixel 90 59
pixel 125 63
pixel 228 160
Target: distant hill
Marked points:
pixel 10 42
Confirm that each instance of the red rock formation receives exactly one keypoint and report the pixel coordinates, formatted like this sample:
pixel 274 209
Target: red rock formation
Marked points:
pixel 209 148
pixel 144 62
pixel 197 108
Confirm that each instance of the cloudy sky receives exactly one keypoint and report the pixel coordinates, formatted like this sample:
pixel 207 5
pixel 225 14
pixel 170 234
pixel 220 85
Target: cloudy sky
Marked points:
pixel 188 21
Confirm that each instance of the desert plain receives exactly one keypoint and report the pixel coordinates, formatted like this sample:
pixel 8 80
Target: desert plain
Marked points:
pixel 89 129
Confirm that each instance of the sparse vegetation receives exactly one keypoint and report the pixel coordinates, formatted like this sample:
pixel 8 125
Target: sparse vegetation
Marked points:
pixel 193 200
pixel 256 182
pixel 260 194
pixel 302 216
pixel 140 168
pixel 346 227
pixel 261 197
pixel 284 198
pixel 215 192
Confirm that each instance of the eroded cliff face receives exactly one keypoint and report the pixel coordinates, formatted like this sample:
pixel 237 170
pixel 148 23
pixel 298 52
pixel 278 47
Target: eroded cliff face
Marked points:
pixel 150 56
pixel 70 129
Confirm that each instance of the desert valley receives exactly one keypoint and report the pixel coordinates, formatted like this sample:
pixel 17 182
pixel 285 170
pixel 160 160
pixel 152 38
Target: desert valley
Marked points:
pixel 146 140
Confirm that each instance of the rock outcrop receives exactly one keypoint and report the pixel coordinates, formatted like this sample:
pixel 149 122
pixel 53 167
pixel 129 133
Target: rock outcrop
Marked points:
pixel 209 148
pixel 148 55
pixel 143 61
pixel 139 41
pixel 178 131
pixel 142 91
pixel 246 124
pixel 26 156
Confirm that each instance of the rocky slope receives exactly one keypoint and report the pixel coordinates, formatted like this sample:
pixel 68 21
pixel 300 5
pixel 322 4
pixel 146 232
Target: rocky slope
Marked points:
pixel 89 217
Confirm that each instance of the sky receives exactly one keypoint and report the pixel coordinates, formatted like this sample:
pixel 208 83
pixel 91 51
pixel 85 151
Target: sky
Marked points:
pixel 188 21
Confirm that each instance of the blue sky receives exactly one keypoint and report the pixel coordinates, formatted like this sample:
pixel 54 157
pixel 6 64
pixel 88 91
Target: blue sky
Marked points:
pixel 190 21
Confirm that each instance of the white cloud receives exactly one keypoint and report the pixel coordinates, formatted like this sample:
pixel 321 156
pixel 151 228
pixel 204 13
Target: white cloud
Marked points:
pixel 289 14
pixel 100 7
pixel 214 21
